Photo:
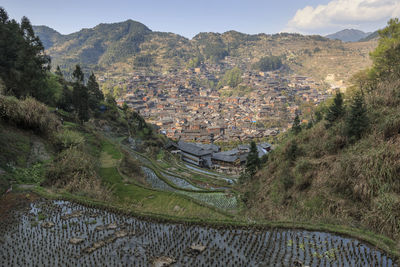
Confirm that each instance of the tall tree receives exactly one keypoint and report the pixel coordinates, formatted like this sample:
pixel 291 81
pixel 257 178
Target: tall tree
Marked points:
pixel 357 120
pixel 232 78
pixel 386 56
pixel 335 110
pixel 296 127
pixel 65 101
pixel 253 161
pixel 80 95
pixel 94 92
pixel 23 64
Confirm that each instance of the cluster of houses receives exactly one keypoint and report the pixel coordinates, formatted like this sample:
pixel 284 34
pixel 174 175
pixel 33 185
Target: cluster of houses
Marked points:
pixel 184 108
pixel 211 156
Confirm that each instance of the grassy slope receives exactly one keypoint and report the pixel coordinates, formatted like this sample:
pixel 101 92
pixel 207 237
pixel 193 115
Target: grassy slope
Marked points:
pixel 15 150
pixel 146 200
pixel 332 181
pixel 135 199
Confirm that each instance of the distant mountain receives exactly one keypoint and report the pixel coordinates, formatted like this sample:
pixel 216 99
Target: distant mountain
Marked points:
pixel 105 43
pixel 120 48
pixel 47 35
pixel 348 35
pixel 370 37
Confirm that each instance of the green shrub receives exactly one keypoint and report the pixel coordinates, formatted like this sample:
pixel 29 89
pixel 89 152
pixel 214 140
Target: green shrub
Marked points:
pixel 69 165
pixel 75 171
pixel 34 174
pixel 292 150
pixel 336 139
pixel 303 166
pixel 287 180
pixel 390 126
pixel 131 168
pixel 69 138
pixel 314 205
pixel 303 174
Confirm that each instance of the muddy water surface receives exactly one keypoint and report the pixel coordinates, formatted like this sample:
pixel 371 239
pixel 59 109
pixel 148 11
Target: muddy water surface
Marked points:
pixel 60 233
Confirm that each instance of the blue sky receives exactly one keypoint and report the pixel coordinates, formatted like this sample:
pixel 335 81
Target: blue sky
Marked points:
pixel 187 17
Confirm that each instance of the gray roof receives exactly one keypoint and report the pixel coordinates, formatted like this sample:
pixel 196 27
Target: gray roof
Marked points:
pixel 244 147
pixel 265 145
pixel 221 156
pixel 193 149
pixel 230 156
pixel 261 151
pixel 212 147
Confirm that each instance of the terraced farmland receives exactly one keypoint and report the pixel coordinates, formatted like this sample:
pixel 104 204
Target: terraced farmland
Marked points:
pixel 59 233
pixel 219 200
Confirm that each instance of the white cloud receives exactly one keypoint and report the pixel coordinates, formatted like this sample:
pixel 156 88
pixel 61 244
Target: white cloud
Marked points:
pixel 343 13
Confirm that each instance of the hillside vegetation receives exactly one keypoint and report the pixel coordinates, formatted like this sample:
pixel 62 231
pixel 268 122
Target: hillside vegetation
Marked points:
pixel 127 46
pixel 344 167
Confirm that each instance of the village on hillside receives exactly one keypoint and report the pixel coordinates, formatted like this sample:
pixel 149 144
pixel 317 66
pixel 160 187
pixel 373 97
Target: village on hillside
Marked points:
pixel 184 108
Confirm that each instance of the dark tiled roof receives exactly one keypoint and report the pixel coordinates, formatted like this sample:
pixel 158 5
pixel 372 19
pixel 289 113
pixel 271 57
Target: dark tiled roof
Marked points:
pixel 221 156
pixel 193 149
pixel 212 147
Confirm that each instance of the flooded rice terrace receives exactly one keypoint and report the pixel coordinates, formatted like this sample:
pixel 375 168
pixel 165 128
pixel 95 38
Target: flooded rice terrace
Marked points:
pixel 61 233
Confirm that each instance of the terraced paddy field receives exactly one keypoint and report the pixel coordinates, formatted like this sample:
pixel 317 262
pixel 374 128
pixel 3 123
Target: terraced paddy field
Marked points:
pixel 219 200
pixel 170 179
pixel 61 233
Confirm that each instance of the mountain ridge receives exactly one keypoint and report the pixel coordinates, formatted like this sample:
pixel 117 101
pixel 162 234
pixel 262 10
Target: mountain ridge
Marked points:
pixel 130 45
pixel 348 35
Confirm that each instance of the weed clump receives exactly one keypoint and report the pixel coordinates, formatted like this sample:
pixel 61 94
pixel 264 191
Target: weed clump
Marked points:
pixel 131 168
pixel 75 171
pixel 28 114
pixel 68 138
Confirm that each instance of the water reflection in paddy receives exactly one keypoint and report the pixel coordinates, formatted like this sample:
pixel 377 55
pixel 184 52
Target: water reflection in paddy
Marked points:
pixel 58 233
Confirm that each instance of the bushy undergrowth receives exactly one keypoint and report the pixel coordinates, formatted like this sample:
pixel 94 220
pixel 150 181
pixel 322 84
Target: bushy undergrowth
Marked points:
pixel 131 168
pixel 28 114
pixel 75 171
pixel 33 174
pixel 69 138
pixel 321 175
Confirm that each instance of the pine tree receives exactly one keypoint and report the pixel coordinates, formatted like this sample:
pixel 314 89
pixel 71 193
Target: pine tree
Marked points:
pixel 253 161
pixel 3 16
pixel 335 111
pixel 296 127
pixel 94 92
pixel 65 101
pixel 23 64
pixel 80 95
pixel 318 116
pixel 356 121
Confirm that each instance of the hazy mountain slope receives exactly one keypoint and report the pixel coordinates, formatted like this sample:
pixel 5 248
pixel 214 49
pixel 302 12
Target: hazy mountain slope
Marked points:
pixel 372 36
pixel 47 35
pixel 348 35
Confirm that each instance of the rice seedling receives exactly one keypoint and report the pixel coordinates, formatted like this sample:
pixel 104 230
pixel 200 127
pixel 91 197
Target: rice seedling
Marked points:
pixel 113 239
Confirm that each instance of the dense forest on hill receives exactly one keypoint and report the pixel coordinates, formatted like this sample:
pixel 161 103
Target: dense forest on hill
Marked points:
pixel 129 46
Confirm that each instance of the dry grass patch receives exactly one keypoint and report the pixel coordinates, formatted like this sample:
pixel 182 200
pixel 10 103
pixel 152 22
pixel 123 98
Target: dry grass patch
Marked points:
pixel 75 171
